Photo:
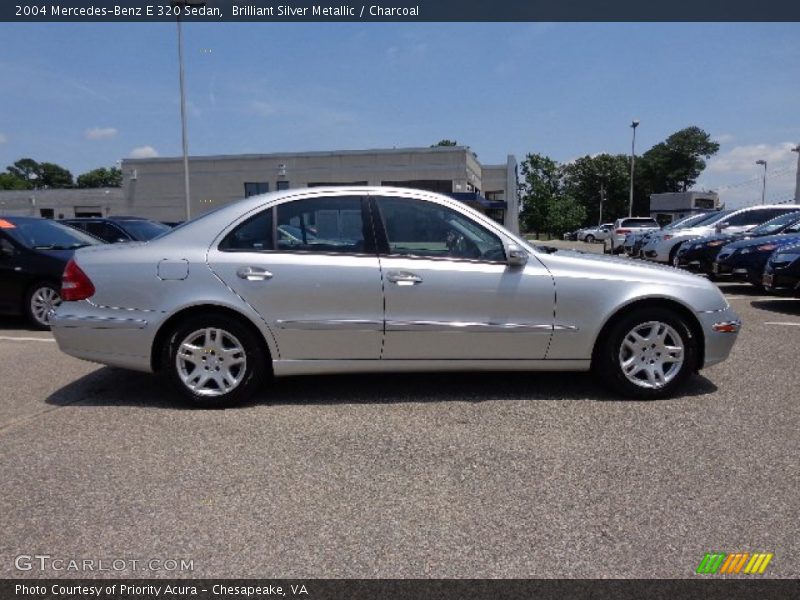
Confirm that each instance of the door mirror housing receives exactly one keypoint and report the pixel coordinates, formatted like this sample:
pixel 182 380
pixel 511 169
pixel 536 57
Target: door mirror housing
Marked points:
pixel 721 226
pixel 516 256
pixel 6 250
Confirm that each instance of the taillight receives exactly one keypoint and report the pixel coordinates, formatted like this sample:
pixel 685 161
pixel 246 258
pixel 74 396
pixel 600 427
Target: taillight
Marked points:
pixel 622 231
pixel 75 285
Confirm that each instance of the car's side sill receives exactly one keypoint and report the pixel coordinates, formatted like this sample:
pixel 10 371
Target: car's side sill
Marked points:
pixel 311 367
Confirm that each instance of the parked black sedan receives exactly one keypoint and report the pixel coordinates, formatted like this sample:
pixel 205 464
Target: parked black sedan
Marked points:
pixel 782 272
pixel 33 254
pixel 746 259
pixel 698 255
pixel 119 229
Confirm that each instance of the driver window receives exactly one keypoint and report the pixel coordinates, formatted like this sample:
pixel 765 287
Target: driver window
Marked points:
pixel 425 229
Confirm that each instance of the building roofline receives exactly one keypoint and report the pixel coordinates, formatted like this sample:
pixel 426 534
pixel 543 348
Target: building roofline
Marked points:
pixel 315 153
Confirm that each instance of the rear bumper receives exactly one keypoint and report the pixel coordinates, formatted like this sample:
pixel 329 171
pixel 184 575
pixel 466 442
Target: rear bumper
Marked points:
pixel 120 338
pixel 720 328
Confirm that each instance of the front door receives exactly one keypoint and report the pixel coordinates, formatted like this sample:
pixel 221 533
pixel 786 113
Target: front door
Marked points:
pixel 309 268
pixel 450 293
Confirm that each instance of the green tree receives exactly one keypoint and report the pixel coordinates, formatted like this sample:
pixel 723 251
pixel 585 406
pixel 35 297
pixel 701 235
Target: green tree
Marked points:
pixel 102 177
pixel 26 169
pixel 541 184
pixel 675 164
pixel 52 175
pixel 9 181
pixel 564 213
pixel 584 178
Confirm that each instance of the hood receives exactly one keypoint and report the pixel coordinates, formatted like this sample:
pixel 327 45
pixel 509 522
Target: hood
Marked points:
pixel 783 238
pixel 627 268
pixel 725 237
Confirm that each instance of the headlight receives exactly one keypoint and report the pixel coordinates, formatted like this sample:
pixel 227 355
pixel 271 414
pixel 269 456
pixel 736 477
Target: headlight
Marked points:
pixel 767 247
pixel 716 243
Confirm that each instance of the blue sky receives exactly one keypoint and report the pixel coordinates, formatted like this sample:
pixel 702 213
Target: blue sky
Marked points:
pixel 86 95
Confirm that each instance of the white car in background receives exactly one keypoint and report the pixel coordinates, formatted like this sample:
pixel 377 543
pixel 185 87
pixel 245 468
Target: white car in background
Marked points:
pixel 622 227
pixel 595 234
pixel 663 246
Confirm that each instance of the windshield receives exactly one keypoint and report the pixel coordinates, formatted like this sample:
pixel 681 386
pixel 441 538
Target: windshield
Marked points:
pixel 144 230
pixel 776 224
pixel 43 234
pixel 688 221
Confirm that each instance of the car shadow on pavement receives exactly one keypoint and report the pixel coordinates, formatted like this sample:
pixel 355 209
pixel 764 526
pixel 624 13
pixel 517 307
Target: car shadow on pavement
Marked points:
pixel 784 306
pixel 116 387
pixel 16 323
pixel 740 289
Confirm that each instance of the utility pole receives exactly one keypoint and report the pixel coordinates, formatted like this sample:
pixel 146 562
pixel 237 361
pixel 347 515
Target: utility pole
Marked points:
pixel 634 125
pixel 797 183
pixel 602 200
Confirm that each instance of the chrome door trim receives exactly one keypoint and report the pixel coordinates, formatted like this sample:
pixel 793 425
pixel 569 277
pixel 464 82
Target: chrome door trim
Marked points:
pixel 330 325
pixel 467 326
pixel 96 322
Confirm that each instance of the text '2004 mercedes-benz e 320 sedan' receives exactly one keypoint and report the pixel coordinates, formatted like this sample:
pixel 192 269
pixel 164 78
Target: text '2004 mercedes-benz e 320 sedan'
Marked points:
pixel 379 279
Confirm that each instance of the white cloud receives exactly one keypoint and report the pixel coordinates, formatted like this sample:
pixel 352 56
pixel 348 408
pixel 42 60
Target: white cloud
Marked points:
pixel 723 138
pixel 742 159
pixel 3 138
pixel 100 133
pixel 262 109
pixel 143 152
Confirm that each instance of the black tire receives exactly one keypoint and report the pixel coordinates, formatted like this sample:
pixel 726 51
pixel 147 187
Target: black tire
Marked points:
pixel 606 362
pixel 672 254
pixel 247 378
pixel 589 239
pixel 37 303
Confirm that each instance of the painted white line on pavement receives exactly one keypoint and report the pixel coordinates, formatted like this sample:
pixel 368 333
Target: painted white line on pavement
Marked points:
pixel 25 339
pixel 783 323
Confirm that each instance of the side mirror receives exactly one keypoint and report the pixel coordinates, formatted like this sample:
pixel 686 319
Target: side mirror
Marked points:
pixel 517 257
pixel 721 226
pixel 7 250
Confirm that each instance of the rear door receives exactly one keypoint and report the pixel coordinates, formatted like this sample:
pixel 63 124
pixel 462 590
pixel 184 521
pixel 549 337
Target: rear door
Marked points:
pixel 310 269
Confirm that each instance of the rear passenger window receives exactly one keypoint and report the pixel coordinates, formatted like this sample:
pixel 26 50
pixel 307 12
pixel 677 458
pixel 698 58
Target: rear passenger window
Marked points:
pixel 333 224
pixel 754 217
pixel 254 235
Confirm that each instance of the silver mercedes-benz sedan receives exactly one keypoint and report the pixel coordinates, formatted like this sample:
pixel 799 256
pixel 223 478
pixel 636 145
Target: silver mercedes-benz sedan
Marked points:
pixel 360 279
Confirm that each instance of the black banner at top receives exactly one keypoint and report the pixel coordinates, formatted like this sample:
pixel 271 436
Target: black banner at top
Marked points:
pixel 397 10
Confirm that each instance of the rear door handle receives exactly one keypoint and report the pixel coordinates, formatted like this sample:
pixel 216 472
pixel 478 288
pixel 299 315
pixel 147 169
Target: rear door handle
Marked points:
pixel 253 274
pixel 403 278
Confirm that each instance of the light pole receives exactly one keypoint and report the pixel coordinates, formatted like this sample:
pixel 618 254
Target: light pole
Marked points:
pixel 634 125
pixel 179 6
pixel 764 185
pixel 797 183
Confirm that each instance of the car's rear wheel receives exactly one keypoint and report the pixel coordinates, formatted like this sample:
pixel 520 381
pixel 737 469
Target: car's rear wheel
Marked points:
pixel 215 361
pixel 589 239
pixel 647 354
pixel 40 300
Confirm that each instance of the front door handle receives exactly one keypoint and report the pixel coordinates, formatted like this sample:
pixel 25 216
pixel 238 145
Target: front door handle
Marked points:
pixel 403 278
pixel 253 274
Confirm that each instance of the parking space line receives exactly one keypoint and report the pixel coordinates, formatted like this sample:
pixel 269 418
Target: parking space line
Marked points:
pixel 783 323
pixel 25 339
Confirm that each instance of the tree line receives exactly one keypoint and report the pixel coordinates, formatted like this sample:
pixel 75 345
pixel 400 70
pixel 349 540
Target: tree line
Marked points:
pixel 558 197
pixel 27 174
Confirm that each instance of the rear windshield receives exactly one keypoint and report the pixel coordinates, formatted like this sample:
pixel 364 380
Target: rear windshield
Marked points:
pixel 639 223
pixel 144 230
pixel 47 235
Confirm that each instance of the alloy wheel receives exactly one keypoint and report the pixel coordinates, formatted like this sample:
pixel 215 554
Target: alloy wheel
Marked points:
pixel 211 362
pixel 651 354
pixel 43 300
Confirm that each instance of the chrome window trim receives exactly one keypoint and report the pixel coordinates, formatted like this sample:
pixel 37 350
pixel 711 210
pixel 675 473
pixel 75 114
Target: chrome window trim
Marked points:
pixel 330 325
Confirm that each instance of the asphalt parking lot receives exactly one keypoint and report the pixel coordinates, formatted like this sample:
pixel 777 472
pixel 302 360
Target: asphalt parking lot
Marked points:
pixel 470 476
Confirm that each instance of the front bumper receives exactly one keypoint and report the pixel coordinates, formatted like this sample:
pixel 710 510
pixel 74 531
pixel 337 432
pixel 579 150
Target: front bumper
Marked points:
pixel 720 328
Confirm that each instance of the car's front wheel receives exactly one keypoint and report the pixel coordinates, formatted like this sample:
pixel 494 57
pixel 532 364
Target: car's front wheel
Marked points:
pixel 589 239
pixel 215 361
pixel 40 300
pixel 647 354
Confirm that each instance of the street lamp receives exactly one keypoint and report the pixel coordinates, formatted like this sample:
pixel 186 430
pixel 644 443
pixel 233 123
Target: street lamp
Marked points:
pixel 764 186
pixel 634 125
pixel 797 183
pixel 180 5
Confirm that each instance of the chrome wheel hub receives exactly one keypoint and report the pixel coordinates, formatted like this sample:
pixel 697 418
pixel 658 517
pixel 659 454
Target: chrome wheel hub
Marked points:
pixel 651 354
pixel 44 300
pixel 211 362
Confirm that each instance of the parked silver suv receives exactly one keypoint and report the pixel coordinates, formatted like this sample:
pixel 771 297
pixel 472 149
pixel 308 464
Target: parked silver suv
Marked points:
pixel 614 242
